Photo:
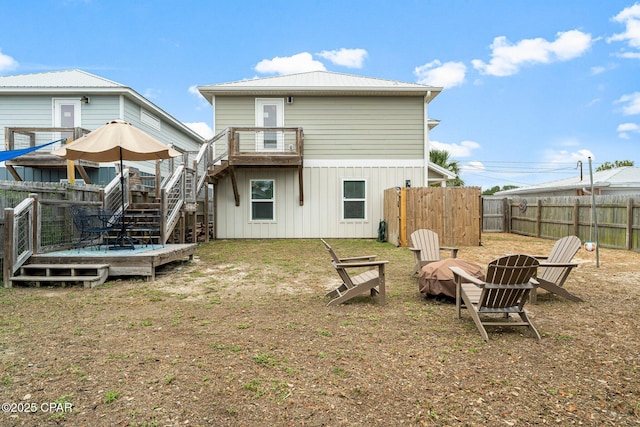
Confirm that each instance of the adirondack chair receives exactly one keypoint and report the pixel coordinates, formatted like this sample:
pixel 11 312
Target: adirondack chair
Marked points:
pixel 426 249
pixel 508 282
pixel 371 280
pixel 555 268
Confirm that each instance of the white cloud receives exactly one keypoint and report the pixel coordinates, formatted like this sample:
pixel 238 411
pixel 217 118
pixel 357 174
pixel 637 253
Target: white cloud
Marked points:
pixel 435 73
pixel 351 58
pixel 630 17
pixel 508 58
pixel 298 63
pixel 463 149
pixel 473 166
pixel 564 156
pixel 202 101
pixel 624 129
pixel 632 104
pixel 194 90
pixel 201 128
pixel 629 55
pixel 151 93
pixel 7 63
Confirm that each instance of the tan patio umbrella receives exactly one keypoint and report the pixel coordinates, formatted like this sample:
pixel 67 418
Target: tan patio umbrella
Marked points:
pixel 116 141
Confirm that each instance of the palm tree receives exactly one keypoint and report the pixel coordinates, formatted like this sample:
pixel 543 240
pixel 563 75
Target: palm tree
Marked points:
pixel 442 158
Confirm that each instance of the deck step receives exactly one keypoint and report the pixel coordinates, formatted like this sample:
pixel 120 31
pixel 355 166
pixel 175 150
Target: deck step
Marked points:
pixel 90 275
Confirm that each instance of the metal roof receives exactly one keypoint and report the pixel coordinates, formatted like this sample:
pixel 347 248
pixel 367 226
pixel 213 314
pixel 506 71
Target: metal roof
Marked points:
pixel 627 177
pixel 69 79
pixel 320 83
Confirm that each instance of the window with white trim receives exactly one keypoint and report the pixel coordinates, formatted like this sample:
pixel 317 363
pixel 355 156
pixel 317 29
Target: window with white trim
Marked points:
pixel 354 199
pixel 263 200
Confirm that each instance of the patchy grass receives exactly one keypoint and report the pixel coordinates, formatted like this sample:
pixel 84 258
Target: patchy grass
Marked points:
pixel 243 336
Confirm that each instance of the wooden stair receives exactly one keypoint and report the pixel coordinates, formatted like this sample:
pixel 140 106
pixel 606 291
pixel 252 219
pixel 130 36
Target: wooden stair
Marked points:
pixel 143 223
pixel 90 275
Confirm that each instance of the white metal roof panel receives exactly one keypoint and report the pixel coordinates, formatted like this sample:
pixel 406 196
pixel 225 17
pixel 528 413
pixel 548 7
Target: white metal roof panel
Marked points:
pixel 318 82
pixel 57 79
pixel 625 177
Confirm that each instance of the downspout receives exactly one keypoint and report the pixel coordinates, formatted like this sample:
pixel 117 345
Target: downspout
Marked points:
pixel 427 147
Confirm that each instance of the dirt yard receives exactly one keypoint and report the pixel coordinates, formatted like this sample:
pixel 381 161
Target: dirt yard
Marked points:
pixel 242 336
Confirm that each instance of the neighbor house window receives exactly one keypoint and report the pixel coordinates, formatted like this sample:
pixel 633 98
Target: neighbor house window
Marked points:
pixel 354 199
pixel 262 200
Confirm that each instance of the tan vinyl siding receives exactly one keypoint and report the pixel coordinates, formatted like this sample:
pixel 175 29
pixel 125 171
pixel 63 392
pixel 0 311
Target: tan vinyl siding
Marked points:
pixel 321 214
pixel 236 111
pixel 342 127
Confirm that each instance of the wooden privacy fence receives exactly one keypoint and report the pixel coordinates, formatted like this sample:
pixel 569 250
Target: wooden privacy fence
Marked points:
pixel 455 213
pixel 617 218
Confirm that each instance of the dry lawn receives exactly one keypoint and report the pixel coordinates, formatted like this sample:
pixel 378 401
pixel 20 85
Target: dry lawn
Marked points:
pixel 242 337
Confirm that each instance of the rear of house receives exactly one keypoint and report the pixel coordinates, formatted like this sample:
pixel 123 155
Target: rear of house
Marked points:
pixel 360 136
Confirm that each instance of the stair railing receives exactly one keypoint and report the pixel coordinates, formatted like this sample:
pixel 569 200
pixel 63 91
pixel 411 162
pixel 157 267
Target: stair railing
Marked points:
pixel 209 156
pixel 113 193
pixel 172 196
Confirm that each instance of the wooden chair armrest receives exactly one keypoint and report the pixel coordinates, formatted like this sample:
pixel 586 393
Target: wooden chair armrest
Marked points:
pixel 457 271
pixel 358 258
pixel 540 256
pixel 559 264
pixel 414 249
pixel 454 251
pixel 359 264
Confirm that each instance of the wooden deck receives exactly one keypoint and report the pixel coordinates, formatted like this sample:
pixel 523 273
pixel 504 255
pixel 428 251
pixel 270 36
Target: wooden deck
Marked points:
pixel 141 261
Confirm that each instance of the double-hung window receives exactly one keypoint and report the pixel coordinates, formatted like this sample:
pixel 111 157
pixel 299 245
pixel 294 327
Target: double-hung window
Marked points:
pixel 263 200
pixel 354 199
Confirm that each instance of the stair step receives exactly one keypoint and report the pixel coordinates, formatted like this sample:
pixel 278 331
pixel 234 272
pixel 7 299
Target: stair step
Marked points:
pixel 90 275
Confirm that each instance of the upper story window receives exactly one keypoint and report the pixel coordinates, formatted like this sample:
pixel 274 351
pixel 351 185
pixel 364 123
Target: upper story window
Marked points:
pixel 149 119
pixel 262 200
pixel 354 199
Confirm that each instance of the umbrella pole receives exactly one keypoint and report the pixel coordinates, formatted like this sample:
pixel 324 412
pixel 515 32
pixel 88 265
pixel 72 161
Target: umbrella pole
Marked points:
pixel 122 194
pixel 123 230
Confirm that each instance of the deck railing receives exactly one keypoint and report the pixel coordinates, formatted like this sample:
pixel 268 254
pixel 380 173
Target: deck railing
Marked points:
pixel 20 236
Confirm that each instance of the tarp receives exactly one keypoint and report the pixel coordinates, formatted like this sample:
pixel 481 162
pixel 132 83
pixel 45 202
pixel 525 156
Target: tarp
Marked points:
pixel 437 279
pixel 12 154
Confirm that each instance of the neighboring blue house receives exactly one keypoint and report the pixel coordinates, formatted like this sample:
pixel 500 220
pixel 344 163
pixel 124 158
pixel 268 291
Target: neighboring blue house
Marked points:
pixel 77 99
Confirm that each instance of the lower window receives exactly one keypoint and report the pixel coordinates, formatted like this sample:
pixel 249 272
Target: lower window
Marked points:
pixel 262 200
pixel 354 199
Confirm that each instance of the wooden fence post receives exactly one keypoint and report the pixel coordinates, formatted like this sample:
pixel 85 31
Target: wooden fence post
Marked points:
pixel 35 224
pixel 629 236
pixel 539 218
pixel 403 217
pixel 576 217
pixel 7 270
pixel 506 209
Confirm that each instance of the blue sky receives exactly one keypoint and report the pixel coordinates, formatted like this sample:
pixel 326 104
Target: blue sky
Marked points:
pixel 531 87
